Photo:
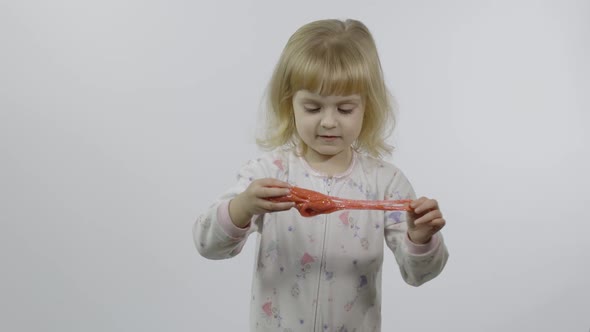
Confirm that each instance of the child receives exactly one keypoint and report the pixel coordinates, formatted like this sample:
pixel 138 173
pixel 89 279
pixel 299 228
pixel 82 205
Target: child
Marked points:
pixel 329 115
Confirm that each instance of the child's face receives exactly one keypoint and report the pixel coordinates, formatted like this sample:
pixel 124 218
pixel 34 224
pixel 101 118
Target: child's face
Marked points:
pixel 328 125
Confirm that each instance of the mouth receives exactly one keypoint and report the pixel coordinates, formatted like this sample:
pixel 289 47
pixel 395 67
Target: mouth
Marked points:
pixel 328 137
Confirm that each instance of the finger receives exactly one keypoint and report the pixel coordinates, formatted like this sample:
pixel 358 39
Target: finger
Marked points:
pixel 428 217
pixel 417 202
pixel 271 182
pixel 440 222
pixel 269 206
pixel 437 224
pixel 283 206
pixel 265 192
pixel 426 205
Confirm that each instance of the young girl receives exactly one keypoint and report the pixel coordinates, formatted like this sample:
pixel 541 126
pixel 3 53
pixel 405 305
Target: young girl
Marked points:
pixel 329 113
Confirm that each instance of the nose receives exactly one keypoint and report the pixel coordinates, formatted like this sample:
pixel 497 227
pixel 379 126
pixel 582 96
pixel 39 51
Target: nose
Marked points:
pixel 328 120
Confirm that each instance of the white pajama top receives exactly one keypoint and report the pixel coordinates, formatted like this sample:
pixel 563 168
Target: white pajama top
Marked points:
pixel 321 273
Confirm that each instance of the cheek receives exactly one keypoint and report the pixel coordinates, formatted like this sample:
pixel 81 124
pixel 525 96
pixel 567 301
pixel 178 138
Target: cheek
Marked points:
pixel 300 127
pixel 298 122
pixel 356 125
pixel 303 123
pixel 360 121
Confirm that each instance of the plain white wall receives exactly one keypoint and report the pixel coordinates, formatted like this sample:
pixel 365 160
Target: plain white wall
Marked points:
pixel 121 121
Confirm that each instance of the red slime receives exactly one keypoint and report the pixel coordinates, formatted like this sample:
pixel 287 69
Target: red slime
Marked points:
pixel 310 203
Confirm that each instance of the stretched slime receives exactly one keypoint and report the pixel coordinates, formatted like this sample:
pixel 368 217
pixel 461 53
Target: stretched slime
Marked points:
pixel 310 203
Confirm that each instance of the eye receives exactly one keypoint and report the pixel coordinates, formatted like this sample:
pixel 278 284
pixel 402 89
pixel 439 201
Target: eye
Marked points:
pixel 312 109
pixel 345 110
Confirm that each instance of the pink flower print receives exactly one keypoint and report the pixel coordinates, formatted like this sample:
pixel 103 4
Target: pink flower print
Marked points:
pixel 279 164
pixel 305 262
pixel 267 308
pixel 344 218
pixel 365 243
pixel 306 259
pixel 348 306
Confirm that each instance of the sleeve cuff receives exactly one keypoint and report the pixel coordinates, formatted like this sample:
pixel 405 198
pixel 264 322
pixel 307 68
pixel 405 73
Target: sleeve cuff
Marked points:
pixel 421 249
pixel 227 224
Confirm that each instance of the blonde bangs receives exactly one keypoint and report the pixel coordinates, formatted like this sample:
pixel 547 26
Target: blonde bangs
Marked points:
pixel 329 71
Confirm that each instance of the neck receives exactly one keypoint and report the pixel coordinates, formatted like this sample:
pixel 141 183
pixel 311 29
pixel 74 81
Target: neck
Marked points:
pixel 327 164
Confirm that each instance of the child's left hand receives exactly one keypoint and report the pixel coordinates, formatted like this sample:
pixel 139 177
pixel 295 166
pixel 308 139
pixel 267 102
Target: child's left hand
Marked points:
pixel 424 220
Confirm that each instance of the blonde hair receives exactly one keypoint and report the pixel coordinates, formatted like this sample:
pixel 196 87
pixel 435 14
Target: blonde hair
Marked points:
pixel 330 57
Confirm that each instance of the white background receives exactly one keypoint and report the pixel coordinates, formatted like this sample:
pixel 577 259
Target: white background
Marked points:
pixel 121 121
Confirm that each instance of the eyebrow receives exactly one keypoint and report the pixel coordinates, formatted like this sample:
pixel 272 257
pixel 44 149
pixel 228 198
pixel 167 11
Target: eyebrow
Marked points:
pixel 354 100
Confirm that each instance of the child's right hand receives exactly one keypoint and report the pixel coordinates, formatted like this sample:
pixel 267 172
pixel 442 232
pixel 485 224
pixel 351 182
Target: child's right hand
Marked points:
pixel 253 200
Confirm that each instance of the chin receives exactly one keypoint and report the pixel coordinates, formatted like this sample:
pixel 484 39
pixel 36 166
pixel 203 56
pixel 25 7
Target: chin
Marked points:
pixel 328 151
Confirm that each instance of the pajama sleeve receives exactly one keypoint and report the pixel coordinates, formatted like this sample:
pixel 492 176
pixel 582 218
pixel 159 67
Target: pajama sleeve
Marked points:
pixel 215 236
pixel 417 263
